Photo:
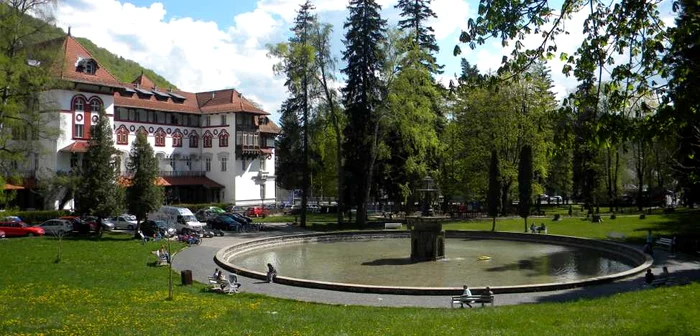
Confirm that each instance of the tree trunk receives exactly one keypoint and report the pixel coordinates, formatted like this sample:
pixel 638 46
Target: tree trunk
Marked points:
pixel 493 225
pixel 525 218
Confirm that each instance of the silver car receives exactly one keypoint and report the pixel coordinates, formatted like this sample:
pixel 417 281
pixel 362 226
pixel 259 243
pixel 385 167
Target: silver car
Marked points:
pixel 56 226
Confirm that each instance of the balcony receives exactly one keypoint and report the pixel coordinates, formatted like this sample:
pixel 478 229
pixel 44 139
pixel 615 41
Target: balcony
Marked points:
pixel 165 173
pixel 191 173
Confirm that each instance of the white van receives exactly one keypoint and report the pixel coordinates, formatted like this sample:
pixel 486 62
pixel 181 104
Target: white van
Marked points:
pixel 182 219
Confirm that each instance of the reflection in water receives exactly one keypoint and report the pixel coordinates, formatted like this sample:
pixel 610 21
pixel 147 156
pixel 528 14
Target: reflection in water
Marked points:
pixel 387 262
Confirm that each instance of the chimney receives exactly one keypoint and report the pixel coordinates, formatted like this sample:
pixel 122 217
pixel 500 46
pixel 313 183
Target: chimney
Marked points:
pixel 213 94
pixel 68 30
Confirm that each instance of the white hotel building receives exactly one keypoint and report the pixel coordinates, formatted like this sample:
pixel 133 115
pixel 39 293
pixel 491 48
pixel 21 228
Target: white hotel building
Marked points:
pixel 211 146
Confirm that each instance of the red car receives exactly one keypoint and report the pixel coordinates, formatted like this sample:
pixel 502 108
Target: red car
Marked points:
pixel 256 212
pixel 14 227
pixel 2 234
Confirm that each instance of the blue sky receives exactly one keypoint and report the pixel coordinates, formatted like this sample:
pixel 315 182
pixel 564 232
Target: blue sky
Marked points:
pixel 214 44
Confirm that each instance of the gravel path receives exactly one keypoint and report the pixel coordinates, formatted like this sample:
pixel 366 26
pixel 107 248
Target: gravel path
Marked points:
pixel 200 259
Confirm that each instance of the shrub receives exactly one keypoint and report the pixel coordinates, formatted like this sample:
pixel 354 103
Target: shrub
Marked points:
pixel 37 216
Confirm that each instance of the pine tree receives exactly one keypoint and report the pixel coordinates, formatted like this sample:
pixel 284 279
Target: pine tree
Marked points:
pixel 525 182
pixel 362 96
pixel 142 195
pixel 415 14
pixel 297 63
pixel 494 192
pixel 99 194
pixel 288 147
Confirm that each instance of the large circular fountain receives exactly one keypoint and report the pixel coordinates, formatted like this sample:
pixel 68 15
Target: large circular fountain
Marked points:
pixel 380 262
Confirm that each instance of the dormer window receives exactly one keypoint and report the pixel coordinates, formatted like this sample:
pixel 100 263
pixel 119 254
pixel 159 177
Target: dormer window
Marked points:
pixel 86 65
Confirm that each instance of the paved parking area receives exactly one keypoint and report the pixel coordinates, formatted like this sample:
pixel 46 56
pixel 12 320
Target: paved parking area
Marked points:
pixel 200 259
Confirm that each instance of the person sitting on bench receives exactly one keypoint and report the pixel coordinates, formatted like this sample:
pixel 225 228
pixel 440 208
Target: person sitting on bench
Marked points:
pixel 466 293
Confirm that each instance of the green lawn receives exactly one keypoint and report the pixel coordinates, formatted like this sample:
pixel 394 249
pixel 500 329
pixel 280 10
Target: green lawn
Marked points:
pixel 106 287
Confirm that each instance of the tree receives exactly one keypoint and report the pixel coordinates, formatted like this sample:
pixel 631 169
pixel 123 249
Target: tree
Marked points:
pixel 299 66
pixel 680 118
pixel 99 194
pixel 415 15
pixel 142 195
pixel 24 73
pixel 288 147
pixel 326 66
pixel 494 193
pixel 362 96
pixel 525 183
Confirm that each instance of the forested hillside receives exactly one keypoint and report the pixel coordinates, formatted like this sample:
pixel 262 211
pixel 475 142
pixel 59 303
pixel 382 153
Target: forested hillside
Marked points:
pixel 123 69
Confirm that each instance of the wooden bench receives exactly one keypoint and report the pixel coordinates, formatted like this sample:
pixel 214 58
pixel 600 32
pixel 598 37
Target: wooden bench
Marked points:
pixel 665 242
pixel 392 225
pixel 462 300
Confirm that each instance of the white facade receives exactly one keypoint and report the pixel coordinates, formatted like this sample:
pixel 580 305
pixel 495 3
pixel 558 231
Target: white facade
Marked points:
pixel 245 181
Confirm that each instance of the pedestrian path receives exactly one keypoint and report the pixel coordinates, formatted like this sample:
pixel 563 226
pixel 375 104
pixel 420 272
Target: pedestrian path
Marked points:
pixel 200 260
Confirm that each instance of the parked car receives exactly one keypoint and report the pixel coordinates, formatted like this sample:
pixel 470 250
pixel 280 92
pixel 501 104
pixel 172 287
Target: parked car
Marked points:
pixel 203 215
pixel 151 227
pixel 256 212
pixel 238 219
pixel 241 218
pixel 555 200
pixel 223 222
pixel 182 218
pixel 123 222
pixel 293 210
pixel 14 227
pixel 57 226
pixel 2 234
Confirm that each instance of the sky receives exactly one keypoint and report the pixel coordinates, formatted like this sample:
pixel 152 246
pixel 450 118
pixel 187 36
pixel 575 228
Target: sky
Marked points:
pixel 216 44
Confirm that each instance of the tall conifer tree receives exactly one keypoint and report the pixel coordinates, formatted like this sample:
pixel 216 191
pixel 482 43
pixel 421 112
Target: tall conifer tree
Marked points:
pixel 297 62
pixel 143 195
pixel 362 96
pixel 99 194
pixel 415 15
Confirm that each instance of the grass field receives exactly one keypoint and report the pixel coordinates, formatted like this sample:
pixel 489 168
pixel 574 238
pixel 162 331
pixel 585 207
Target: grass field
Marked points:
pixel 106 287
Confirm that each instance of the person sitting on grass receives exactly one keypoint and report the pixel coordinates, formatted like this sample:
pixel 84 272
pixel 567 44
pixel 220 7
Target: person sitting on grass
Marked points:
pixel 466 293
pixel 532 228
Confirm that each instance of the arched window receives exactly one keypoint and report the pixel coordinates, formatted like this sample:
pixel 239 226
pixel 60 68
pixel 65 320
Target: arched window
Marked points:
pixel 160 138
pixel 177 139
pixel 122 135
pixel 78 104
pixel 223 139
pixel 194 140
pixel 206 139
pixel 95 105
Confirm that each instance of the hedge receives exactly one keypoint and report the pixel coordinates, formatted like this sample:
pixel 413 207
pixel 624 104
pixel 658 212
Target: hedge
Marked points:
pixel 36 216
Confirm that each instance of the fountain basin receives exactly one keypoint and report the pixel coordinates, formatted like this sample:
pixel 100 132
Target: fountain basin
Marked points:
pixel 228 259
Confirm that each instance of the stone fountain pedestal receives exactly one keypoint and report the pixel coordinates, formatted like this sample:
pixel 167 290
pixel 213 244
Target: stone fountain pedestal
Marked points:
pixel 427 238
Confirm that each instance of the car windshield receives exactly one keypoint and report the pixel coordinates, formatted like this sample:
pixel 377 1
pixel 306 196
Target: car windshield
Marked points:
pixel 189 218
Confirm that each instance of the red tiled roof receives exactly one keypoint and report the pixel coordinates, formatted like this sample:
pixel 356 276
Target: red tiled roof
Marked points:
pixel 144 81
pixel 191 181
pixel 79 146
pixel 170 181
pixel 228 100
pixel 27 183
pixel 72 51
pixel 9 186
pixel 152 103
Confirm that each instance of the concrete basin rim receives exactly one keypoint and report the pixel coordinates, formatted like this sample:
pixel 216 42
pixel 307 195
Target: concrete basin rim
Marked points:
pixel 632 254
